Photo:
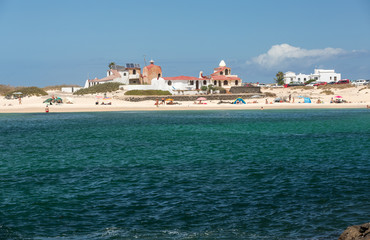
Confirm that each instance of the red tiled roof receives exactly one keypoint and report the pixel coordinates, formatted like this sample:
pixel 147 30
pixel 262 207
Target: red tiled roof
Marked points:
pixel 219 69
pixel 181 78
pixel 224 77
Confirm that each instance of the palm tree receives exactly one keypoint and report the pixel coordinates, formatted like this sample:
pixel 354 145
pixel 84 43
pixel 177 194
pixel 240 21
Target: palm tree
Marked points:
pixel 279 78
pixel 111 65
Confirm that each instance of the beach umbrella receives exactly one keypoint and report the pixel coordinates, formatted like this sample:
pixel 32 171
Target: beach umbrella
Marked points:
pixel 169 99
pixel 256 96
pixel 48 100
pixel 201 99
pixel 338 96
pixel 17 93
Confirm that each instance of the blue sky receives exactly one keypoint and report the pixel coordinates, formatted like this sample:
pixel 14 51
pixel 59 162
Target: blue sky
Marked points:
pixel 64 42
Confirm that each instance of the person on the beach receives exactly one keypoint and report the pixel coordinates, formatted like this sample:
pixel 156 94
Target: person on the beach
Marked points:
pixel 163 101
pixel 47 108
pixel 290 97
pixel 266 102
pixel 157 102
pixel 20 100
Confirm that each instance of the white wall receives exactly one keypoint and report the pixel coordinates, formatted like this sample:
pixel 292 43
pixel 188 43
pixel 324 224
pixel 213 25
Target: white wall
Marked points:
pixel 321 75
pixel 301 78
pixel 70 89
pixel 157 84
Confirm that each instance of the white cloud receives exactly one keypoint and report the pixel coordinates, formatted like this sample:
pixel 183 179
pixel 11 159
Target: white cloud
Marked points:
pixel 284 53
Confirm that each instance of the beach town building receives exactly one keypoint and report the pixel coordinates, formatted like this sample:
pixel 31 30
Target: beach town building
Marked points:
pixel 319 75
pixel 151 72
pixel 152 78
pixel 131 74
pixel 220 77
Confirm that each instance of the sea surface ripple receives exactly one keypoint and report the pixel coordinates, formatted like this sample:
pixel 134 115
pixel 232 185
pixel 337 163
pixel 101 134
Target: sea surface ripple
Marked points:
pixel 273 174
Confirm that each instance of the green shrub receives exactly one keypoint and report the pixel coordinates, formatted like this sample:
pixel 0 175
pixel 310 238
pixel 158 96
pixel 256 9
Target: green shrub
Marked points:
pixel 4 89
pixel 269 94
pixel 147 92
pixel 327 92
pixel 58 87
pixel 28 91
pixel 100 88
pixel 221 89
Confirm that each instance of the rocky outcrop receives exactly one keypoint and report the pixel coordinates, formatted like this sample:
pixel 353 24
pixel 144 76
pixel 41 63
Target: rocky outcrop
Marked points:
pixel 358 232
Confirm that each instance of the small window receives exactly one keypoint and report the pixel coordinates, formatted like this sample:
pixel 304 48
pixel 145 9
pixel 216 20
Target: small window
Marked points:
pixel 169 83
pixel 225 83
pixel 191 82
pixel 221 73
pixel 215 83
pixel 236 82
pixel 159 75
pixel 124 74
pixel 304 79
pixel 335 78
pixel 226 72
pixel 204 82
pixel 134 71
pixel 330 78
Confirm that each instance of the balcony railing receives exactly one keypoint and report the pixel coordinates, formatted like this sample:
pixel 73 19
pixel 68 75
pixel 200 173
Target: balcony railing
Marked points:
pixel 134 76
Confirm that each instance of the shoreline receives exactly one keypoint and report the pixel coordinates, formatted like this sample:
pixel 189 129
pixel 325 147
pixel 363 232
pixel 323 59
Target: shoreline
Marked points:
pixel 184 107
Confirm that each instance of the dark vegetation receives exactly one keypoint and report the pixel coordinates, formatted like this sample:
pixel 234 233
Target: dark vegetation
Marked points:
pixel 269 94
pixel 4 89
pixel 26 91
pixel 100 88
pixel 148 92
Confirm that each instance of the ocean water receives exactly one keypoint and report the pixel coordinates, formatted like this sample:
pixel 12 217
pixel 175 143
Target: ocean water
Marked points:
pixel 272 174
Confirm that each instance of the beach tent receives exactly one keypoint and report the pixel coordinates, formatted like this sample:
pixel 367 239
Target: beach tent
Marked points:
pixel 240 100
pixel 307 100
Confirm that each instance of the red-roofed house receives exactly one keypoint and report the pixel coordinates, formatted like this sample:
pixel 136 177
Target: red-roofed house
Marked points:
pixel 222 77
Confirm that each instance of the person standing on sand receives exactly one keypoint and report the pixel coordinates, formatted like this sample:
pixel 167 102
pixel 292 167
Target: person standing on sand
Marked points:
pixel 290 97
pixel 47 108
pixel 157 102
pixel 20 100
pixel 266 102
pixel 163 102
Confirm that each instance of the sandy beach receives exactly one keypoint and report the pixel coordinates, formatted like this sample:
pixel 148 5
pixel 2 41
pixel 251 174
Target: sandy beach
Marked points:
pixel 355 97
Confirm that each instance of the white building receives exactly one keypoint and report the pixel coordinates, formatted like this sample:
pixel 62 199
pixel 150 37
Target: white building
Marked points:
pixel 319 75
pixel 220 77
pixel 131 74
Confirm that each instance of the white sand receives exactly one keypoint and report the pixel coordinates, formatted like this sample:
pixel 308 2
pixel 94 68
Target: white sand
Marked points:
pixel 355 97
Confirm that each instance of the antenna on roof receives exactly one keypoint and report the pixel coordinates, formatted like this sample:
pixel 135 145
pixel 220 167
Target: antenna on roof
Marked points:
pixel 144 60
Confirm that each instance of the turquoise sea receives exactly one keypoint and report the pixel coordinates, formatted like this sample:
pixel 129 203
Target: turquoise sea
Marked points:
pixel 272 174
